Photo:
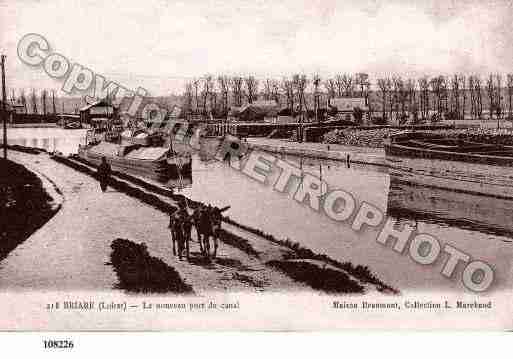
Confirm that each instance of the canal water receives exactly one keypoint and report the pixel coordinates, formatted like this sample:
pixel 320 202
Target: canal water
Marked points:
pixel 477 225
pixel 49 138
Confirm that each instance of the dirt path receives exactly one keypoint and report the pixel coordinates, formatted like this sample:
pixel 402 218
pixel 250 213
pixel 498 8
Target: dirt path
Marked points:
pixel 72 249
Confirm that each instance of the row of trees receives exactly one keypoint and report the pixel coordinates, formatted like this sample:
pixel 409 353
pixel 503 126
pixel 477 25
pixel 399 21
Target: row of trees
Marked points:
pixel 452 97
pixel 43 102
pixel 217 94
pixel 297 93
pixel 396 98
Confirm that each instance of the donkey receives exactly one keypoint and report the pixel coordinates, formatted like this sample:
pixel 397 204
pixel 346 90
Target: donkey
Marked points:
pixel 209 226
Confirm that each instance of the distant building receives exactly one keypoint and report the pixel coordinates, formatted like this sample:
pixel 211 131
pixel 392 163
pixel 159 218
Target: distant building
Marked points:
pixel 98 111
pixel 7 105
pixel 12 110
pixel 18 108
pixel 346 105
pixel 258 111
pixel 8 110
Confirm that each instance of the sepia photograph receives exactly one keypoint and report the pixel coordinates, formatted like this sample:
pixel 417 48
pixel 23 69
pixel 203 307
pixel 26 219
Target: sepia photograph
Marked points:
pixel 255 165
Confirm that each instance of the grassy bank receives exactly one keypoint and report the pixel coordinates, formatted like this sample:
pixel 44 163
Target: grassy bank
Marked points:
pixel 139 272
pixel 24 205
pixel 297 252
pixel 317 277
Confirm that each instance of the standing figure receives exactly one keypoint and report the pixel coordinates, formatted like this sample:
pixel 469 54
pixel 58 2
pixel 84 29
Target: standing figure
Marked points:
pixel 177 236
pixel 196 216
pixel 172 229
pixel 216 218
pixel 104 172
pixel 186 226
pixel 205 226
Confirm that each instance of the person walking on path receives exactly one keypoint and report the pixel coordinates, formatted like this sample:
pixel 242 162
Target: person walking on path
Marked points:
pixel 186 222
pixel 104 172
pixel 174 228
pixel 178 226
pixel 196 216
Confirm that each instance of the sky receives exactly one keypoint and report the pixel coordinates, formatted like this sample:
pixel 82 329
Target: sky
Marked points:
pixel 159 45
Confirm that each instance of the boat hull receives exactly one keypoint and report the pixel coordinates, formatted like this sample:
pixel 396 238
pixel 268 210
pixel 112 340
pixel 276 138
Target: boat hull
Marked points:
pixel 161 170
pixel 401 150
pixel 454 164
pixel 474 178
pixel 462 210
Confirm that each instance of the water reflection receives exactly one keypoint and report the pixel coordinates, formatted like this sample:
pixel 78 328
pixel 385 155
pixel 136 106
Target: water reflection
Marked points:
pixel 465 211
pixel 179 184
pixel 410 202
pixel 366 182
pixel 50 139
pixel 477 225
pixel 403 201
pixel 216 182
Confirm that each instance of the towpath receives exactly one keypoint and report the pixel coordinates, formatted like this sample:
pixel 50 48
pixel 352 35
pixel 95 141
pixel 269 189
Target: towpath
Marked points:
pixel 72 251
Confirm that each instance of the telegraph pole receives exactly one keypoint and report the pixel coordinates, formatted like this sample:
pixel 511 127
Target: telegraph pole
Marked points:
pixel 4 109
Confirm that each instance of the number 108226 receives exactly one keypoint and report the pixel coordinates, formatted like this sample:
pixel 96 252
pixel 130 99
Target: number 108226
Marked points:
pixel 58 344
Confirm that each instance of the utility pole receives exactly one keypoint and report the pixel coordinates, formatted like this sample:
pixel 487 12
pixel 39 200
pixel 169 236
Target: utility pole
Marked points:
pixel 316 98
pixel 4 109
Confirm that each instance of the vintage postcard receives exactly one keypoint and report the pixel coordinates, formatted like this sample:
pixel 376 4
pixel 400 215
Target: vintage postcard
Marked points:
pixel 256 165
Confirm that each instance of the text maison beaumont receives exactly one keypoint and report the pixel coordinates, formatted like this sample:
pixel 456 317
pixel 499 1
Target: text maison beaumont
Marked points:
pixel 412 305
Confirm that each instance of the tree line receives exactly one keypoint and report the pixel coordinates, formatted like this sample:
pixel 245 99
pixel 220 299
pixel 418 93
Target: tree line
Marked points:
pixel 450 97
pixel 43 102
pixel 389 98
pixel 296 94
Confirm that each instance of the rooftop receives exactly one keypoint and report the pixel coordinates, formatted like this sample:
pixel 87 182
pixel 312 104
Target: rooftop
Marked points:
pixel 98 103
pixel 348 103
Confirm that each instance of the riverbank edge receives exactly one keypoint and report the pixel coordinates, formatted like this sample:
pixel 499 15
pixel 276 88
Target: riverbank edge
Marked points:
pixel 341 156
pixel 361 272
pixel 50 194
pixel 32 125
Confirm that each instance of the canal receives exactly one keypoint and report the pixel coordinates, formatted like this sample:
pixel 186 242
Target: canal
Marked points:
pixel 477 225
pixel 49 138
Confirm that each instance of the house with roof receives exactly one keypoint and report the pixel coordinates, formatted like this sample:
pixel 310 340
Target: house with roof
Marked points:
pixel 345 106
pixel 7 109
pixel 257 111
pixel 15 107
pixel 12 110
pixel 7 105
pixel 98 112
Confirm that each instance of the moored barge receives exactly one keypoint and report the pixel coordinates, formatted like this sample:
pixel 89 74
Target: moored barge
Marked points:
pixel 141 155
pixel 457 164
